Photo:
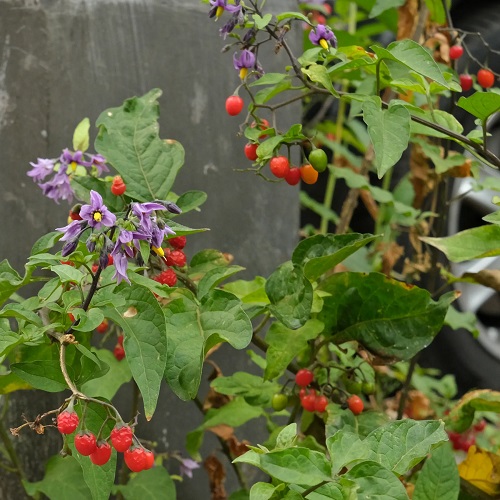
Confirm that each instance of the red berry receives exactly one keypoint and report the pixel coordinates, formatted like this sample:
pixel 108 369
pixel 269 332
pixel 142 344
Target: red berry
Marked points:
pixel 118 187
pixel 176 258
pixel 356 404
pixel 110 260
pixel 308 402
pixel 74 215
pixel 456 51
pixel 320 403
pixel 67 422
pixel 135 458
pixel 71 317
pixel 279 166
pixel 251 150
pixel 234 105
pixel 466 82
pixel 303 393
pixel 149 459
pixel 485 78
pixel 85 443
pixel 179 242
pixel 120 339
pixel 95 267
pixel 121 438
pixel 293 176
pixel 167 277
pixel 467 443
pixel 102 453
pixel 480 426
pixel 103 327
pixel 263 125
pixel 67 263
pixel 119 352
pixel 304 377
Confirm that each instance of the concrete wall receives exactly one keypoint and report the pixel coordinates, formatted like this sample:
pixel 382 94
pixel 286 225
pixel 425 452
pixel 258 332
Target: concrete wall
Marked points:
pixel 62 60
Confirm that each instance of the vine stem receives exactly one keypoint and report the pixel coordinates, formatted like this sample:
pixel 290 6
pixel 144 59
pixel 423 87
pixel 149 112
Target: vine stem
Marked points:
pixel 313 488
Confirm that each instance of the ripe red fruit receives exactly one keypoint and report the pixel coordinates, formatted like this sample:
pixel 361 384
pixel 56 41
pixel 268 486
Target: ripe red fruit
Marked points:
pixel 293 176
pixel 279 166
pixel 135 458
pixel 118 187
pixel 85 443
pixel 466 82
pixel 234 105
pixel 263 125
pixel 485 78
pixel 167 277
pixel 149 459
pixel 102 453
pixel 304 377
pixel 456 52
pixel 251 150
pixel 179 242
pixel 74 215
pixel 308 402
pixel 103 327
pixel 320 403
pixel 120 339
pixel 119 352
pixel 95 267
pixel 67 422
pixel 71 317
pixel 303 393
pixel 121 438
pixel 480 426
pixel 110 260
pixel 176 258
pixel 356 404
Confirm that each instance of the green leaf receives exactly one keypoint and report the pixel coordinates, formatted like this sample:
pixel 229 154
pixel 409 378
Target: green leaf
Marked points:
pixel 42 374
pixel 67 273
pixel 374 481
pixel 191 200
pixel 107 386
pixel 290 294
pixel 284 344
pixel 319 74
pixel 461 415
pixel 265 491
pixel 145 342
pixel 439 476
pixel 151 484
pixel 287 437
pixel 414 56
pixel 461 319
pixel 262 22
pixel 437 11
pixel 383 5
pixel 249 291
pixel 89 320
pixel 193 328
pixel 402 444
pixel 267 147
pixel 251 387
pixel 268 79
pixel 128 138
pixel 480 104
pixel 10 281
pixel 475 243
pixel 11 383
pixel 81 136
pixel 216 276
pixel 63 479
pixel 320 253
pixel 292 15
pixel 45 242
pixel 345 448
pixel 297 465
pixel 389 318
pixel 389 132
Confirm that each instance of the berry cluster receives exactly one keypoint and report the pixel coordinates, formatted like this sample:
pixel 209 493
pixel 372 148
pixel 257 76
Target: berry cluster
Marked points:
pixel 99 451
pixel 173 256
pixel 464 440
pixel 308 173
pixel 309 399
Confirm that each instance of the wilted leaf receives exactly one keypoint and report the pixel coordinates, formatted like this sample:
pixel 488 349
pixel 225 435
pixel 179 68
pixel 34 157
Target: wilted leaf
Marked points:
pixel 481 468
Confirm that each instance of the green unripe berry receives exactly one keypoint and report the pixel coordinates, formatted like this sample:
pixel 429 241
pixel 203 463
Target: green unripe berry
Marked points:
pixel 318 160
pixel 279 401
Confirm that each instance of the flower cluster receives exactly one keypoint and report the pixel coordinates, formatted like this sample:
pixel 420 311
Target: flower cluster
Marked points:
pixel 118 238
pixel 54 175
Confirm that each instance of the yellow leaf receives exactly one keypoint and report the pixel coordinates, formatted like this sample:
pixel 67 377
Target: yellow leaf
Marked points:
pixel 481 468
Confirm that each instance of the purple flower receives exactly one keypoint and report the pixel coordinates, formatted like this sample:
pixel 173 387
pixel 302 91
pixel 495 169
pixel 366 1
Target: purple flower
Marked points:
pixel 219 6
pixel 70 159
pixel 99 162
pixel 143 212
pixel 187 466
pixel 244 62
pixel 121 263
pixel 41 169
pixel 58 188
pixel 321 35
pixel 73 230
pixel 97 214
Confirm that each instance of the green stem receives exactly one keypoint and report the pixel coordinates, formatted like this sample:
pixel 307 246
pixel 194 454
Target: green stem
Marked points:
pixel 313 488
pixel 386 184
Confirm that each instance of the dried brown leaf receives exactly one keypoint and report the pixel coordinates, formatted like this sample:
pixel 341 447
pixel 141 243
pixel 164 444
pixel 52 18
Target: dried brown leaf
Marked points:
pixel 216 476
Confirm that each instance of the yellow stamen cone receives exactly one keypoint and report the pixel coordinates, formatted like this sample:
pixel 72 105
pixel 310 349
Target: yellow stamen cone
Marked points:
pixel 324 44
pixel 219 11
pixel 158 250
pixel 97 216
pixel 243 73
